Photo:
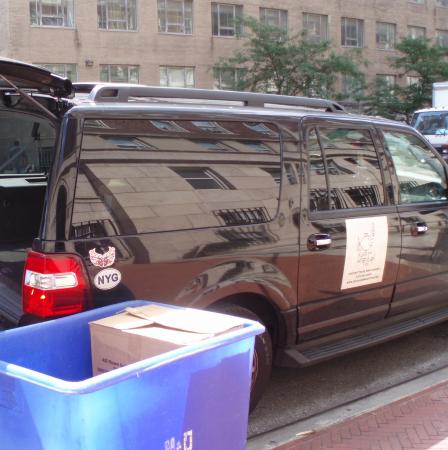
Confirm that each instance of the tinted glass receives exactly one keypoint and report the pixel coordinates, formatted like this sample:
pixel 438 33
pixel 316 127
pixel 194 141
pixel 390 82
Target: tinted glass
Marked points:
pixel 421 175
pixel 136 176
pixel 26 144
pixel 348 158
pixel 318 190
pixel 434 122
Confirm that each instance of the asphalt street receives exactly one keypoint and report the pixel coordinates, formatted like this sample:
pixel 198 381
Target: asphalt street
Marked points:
pixel 294 395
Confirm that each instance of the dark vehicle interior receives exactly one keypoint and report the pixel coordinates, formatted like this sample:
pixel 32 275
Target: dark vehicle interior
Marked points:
pixel 28 129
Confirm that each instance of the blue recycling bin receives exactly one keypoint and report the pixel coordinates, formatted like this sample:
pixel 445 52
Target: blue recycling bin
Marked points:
pixel 192 398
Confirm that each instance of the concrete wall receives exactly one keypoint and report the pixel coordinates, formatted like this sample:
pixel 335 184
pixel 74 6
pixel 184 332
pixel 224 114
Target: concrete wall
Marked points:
pixel 4 27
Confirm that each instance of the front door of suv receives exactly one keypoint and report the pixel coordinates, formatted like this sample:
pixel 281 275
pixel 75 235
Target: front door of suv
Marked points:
pixel 422 282
pixel 350 234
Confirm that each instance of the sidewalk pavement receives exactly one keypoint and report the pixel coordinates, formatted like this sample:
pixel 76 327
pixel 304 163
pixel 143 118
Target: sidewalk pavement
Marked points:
pixel 411 416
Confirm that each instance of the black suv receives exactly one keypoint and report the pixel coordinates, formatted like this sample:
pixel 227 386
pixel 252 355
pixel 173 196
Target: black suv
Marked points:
pixel 327 227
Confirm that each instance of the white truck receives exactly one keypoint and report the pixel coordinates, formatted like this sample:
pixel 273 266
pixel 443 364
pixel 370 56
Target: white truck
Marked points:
pixel 433 122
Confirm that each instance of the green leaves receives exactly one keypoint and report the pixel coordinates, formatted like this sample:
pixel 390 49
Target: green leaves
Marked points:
pixel 289 65
pixel 425 63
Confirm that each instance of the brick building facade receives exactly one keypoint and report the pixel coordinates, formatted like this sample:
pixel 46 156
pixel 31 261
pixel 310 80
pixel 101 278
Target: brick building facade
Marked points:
pixel 176 42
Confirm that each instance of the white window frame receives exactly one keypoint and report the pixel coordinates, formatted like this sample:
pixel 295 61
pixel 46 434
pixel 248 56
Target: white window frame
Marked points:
pixel 129 4
pixel 237 13
pixel 416 32
pixel 218 78
pixel 66 14
pixel 186 24
pixel 164 72
pixel 63 73
pixel 442 38
pixel 128 67
pixel 352 41
pixel 412 80
pixel 315 26
pixel 280 16
pixel 390 80
pixel 386 35
pixel 210 126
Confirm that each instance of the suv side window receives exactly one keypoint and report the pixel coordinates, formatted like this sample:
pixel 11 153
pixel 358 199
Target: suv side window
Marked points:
pixel 421 176
pixel 138 177
pixel 26 143
pixel 344 169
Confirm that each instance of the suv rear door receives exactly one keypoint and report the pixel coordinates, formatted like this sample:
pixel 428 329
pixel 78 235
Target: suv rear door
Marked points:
pixel 350 230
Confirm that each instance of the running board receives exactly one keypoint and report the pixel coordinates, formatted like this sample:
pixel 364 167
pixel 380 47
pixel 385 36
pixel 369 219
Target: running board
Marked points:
pixel 304 354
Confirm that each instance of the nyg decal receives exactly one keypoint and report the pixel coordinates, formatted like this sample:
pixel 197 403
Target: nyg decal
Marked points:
pixel 107 279
pixel 102 260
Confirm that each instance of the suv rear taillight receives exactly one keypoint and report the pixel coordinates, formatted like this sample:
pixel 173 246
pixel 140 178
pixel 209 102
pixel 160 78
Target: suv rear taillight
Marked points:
pixel 54 285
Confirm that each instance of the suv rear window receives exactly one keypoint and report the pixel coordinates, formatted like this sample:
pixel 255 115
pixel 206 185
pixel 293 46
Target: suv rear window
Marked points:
pixel 137 176
pixel 26 144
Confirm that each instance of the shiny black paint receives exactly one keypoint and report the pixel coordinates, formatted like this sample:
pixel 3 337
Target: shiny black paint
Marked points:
pixel 209 269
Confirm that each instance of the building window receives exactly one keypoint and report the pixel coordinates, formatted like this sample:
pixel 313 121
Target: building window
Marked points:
pixel 260 127
pixel 119 73
pixel 127 143
pixel 258 146
pixel 352 87
pixel 229 78
pixel 385 35
pixel 63 70
pixel 416 32
pixel 175 16
pixel 117 14
pixel 412 80
pixel 210 127
pixel 419 2
pixel 388 81
pixel 315 27
pixel 177 76
pixel 52 13
pixel 168 125
pixel 216 146
pixel 277 18
pixel 225 19
pixel 442 37
pixel 202 178
pixel 443 3
pixel 352 32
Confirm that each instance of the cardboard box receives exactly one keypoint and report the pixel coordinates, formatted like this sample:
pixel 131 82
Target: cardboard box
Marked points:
pixel 141 332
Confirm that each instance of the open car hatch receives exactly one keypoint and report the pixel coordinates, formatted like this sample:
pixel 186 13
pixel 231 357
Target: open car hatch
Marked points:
pixel 28 76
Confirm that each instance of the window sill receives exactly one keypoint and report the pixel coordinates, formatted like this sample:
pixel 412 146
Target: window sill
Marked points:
pixel 117 31
pixel 174 34
pixel 54 27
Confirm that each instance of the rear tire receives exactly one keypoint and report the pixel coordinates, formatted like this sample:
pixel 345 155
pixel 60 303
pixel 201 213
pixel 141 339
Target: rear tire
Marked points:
pixel 262 363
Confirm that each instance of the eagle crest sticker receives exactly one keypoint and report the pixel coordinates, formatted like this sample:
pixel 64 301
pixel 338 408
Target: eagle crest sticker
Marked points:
pixel 102 260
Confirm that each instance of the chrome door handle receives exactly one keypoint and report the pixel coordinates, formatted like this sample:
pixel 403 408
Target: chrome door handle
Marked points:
pixel 419 228
pixel 319 241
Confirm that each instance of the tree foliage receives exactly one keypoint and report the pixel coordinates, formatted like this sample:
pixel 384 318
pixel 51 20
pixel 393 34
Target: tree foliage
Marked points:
pixel 417 58
pixel 289 65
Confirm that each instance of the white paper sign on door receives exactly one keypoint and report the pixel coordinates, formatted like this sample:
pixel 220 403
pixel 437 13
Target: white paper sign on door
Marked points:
pixel 365 255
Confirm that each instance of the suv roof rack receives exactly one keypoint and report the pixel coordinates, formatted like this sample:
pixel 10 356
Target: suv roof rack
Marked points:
pixel 126 92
